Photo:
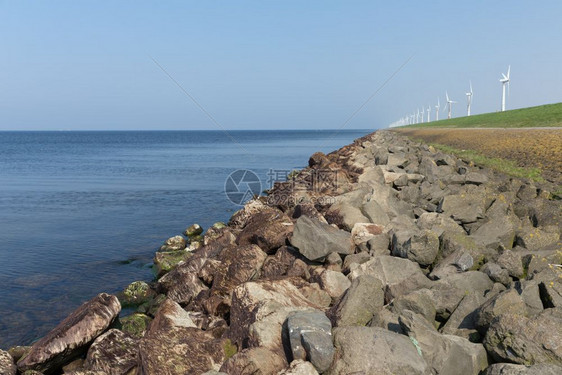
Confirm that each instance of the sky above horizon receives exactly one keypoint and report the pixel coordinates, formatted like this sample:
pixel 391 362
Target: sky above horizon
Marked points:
pixel 87 65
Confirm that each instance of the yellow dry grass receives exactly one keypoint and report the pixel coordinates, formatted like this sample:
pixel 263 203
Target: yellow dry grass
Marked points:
pixel 528 148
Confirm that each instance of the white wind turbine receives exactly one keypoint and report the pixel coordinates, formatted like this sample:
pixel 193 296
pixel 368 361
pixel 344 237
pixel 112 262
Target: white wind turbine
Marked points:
pixel 505 81
pixel 469 100
pixel 418 117
pixel 437 107
pixel 422 114
pixel 450 104
pixel 429 113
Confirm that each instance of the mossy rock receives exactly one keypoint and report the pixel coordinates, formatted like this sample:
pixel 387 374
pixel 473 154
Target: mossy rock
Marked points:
pixel 151 306
pixel 136 293
pixel 193 230
pixel 135 324
pixel 165 261
pixel 229 349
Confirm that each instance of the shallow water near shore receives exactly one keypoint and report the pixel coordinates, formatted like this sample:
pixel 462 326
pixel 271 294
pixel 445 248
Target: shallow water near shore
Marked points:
pixel 83 212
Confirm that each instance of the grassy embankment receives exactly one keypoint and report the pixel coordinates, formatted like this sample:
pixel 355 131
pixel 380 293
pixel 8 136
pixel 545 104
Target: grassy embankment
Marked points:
pixel 512 153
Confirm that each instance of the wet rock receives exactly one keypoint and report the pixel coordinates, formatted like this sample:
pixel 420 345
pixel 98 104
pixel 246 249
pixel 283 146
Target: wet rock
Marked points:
pixel 315 240
pixel 444 354
pixel 193 230
pixel 333 282
pixel 136 293
pixel 70 337
pixel 7 365
pixel 373 351
pixel 528 341
pixel 174 244
pixel 360 302
pixel 398 276
pixel 254 361
pixel 310 338
pixel 114 353
pixel 259 310
pixel 135 324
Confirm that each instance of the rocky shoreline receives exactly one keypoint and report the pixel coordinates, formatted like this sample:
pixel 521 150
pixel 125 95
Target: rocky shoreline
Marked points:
pixel 383 257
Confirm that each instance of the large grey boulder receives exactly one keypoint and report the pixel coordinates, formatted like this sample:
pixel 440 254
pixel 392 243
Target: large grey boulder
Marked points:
pixel 7 365
pixel 518 339
pixel 496 273
pixel 114 353
pixel 508 301
pixel 398 276
pixel 513 369
pixel 421 247
pixel 360 302
pixel 464 208
pixel 71 336
pixel 462 321
pixel 310 338
pixel 315 240
pixel 419 301
pixel 448 292
pixel 444 354
pixel 375 351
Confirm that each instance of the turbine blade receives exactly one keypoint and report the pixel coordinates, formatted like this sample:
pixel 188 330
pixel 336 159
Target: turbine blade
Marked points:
pixel 470 87
pixel 508 70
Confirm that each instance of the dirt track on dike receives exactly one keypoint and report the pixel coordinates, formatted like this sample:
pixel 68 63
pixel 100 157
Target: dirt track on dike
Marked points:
pixel 530 147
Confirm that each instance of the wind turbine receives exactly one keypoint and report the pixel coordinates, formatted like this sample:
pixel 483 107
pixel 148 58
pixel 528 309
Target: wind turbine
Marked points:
pixel 437 110
pixel 505 81
pixel 422 114
pixel 429 113
pixel 450 103
pixel 469 100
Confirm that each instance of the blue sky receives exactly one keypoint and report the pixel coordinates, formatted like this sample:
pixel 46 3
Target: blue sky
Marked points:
pixel 267 64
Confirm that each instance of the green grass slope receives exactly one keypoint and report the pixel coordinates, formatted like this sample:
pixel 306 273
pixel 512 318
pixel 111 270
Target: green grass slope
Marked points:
pixel 549 115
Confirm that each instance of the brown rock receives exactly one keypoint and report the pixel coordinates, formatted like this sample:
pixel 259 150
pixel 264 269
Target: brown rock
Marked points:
pixel 268 229
pixel 254 361
pixel 114 353
pixel 70 337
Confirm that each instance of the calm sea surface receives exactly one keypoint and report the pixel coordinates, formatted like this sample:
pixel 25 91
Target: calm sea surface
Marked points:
pixel 83 212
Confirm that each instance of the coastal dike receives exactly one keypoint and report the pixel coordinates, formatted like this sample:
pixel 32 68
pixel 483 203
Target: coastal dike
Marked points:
pixel 386 256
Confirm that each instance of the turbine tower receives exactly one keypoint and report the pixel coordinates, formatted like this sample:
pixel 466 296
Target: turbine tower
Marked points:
pixel 450 103
pixel 422 114
pixel 505 81
pixel 429 113
pixel 437 107
pixel 469 100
